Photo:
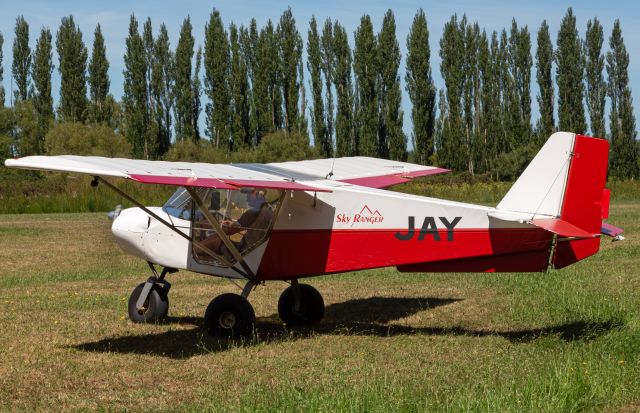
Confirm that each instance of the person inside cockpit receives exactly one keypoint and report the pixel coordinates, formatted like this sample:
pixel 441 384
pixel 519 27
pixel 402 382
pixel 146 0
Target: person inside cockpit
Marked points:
pixel 254 221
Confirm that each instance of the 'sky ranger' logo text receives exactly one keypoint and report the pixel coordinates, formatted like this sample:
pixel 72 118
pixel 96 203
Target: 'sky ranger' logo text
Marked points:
pixel 366 216
pixel 429 228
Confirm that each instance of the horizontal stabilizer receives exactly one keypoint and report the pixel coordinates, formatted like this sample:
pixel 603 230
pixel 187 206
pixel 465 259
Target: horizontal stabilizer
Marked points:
pixel 561 227
pixel 610 230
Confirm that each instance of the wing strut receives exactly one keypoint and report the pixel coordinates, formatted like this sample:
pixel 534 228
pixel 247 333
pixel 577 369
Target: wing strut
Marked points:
pixel 197 244
pixel 223 236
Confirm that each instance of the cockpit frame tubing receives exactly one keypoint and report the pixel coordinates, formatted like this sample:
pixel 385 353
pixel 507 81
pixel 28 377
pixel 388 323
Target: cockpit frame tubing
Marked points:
pixel 172 227
pixel 223 236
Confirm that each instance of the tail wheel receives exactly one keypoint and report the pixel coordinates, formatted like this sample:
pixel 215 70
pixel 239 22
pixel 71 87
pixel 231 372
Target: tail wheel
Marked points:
pixel 309 310
pixel 229 316
pixel 155 309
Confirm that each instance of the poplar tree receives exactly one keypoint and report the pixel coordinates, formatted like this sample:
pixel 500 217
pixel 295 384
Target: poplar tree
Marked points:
pixel 261 83
pixel 439 124
pixel 314 65
pixel 392 142
pixel 364 67
pixel 470 34
pixel 136 113
pixel 451 69
pixel 161 89
pixel 216 76
pixel 20 68
pixel 1 73
pixel 594 66
pixel 248 45
pixel 520 66
pixel 239 86
pixel 328 57
pixel 421 88
pixel 272 59
pixel 476 86
pixel 489 121
pixel 498 65
pixel 197 94
pixel 290 51
pixel 544 77
pixel 507 142
pixel 570 76
pixel 344 93
pixel 148 45
pixel 624 147
pixel 183 87
pixel 42 68
pixel 99 82
pixel 72 65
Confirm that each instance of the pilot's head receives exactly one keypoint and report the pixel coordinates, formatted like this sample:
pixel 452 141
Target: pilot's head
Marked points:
pixel 255 198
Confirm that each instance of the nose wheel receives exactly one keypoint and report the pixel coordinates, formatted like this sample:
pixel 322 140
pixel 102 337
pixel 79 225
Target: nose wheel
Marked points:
pixel 154 309
pixel 149 301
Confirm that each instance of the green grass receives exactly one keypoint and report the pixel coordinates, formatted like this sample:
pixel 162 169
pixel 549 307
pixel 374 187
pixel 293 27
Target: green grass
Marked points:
pixel 562 341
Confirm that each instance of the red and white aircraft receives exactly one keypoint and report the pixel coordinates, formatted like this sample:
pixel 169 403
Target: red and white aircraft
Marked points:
pixel 289 220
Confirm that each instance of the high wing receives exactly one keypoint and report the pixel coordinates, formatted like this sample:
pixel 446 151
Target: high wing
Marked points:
pixel 221 176
pixel 355 170
pixel 300 175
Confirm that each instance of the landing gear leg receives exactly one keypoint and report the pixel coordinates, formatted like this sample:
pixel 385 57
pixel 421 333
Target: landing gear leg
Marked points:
pixel 231 315
pixel 149 301
pixel 300 304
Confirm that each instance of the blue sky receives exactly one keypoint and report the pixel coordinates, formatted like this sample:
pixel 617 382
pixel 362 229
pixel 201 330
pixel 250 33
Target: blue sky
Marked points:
pixel 114 16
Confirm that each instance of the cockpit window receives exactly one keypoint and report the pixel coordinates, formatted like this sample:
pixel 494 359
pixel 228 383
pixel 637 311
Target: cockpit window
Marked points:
pixel 179 205
pixel 246 217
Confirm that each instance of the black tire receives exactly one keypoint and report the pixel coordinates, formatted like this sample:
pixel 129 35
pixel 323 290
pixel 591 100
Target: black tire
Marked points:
pixel 156 307
pixel 311 306
pixel 229 316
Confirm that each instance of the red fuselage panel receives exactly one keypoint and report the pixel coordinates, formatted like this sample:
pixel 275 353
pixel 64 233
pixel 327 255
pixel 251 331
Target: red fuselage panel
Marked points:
pixel 292 254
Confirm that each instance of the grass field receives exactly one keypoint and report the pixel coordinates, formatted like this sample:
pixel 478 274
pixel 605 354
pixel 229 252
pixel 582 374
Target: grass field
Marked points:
pixel 565 340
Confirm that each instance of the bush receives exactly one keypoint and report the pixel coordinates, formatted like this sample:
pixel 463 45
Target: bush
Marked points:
pixel 201 151
pixel 276 147
pixel 74 138
pixel 283 146
pixel 510 165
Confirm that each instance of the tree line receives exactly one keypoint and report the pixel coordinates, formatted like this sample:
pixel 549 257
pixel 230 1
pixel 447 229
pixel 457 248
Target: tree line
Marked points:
pixel 248 82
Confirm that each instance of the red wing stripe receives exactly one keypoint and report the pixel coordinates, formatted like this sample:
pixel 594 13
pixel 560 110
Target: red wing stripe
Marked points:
pixel 183 181
pixel 377 181
pixel 385 181
pixel 295 186
pixel 223 183
pixel 426 172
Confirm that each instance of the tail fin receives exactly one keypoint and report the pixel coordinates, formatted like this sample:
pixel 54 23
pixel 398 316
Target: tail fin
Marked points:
pixel 564 180
pixel 565 183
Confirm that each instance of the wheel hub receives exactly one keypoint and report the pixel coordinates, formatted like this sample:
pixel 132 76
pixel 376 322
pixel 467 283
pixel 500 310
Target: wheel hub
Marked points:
pixel 227 319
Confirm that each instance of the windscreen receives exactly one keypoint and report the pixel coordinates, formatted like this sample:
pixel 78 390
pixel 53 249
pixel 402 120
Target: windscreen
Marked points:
pixel 179 205
pixel 246 216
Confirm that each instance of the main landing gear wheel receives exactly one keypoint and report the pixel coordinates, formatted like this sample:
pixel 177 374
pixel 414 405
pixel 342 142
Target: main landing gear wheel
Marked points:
pixel 229 316
pixel 155 308
pixel 309 309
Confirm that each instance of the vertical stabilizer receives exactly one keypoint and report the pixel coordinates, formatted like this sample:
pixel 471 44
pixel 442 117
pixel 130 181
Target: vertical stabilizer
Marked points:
pixel 540 189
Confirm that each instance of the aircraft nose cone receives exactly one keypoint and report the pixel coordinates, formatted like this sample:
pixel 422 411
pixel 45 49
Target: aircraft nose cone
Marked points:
pixel 128 229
